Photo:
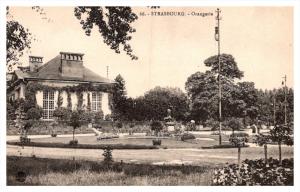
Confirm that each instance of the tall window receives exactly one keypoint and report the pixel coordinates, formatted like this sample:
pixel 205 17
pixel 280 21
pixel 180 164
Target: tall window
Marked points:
pixel 96 101
pixel 48 104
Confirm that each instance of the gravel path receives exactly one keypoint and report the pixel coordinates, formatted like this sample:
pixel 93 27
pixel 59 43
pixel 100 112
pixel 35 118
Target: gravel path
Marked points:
pixel 160 156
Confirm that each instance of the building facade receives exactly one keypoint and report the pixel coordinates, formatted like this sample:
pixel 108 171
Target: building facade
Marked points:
pixel 63 81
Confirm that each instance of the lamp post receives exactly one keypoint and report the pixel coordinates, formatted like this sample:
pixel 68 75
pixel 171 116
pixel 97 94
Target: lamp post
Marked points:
pixel 285 101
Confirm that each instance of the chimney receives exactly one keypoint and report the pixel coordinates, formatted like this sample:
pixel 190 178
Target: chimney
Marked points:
pixel 34 63
pixel 71 64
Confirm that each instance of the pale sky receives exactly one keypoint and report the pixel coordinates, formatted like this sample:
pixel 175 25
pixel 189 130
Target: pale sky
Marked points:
pixel 171 48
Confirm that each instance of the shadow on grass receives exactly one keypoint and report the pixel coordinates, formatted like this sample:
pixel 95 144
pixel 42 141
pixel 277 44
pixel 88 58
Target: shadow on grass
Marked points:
pixel 36 167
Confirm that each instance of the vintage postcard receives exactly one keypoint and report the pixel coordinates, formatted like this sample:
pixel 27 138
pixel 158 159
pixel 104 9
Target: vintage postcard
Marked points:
pixel 150 95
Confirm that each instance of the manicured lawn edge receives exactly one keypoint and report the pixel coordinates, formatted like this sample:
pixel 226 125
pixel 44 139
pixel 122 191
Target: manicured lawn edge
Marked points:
pixel 222 146
pixel 82 146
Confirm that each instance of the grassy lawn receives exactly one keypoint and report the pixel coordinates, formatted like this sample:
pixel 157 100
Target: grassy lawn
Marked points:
pixel 68 172
pixel 138 140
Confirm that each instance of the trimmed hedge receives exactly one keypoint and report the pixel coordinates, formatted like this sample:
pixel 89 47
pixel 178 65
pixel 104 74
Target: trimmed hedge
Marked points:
pixel 82 146
pixel 156 142
pixel 187 136
pixel 223 146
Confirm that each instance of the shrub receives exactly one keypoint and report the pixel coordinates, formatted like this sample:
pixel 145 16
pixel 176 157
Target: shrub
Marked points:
pixel 119 124
pixel 156 126
pixel 34 113
pixel 156 142
pixel 234 124
pixel 86 116
pixel 53 134
pixel 282 134
pixel 239 139
pixel 73 142
pixel 62 113
pixel 187 136
pixel 239 134
pixel 107 117
pixel 107 154
pixel 213 124
pixel 98 116
pixel 255 172
pixel 110 136
pixel 131 125
pixel 24 140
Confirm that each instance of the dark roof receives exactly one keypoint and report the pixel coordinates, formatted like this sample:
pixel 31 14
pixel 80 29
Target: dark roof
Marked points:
pixel 51 71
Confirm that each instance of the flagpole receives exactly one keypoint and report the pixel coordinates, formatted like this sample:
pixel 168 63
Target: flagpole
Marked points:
pixel 217 37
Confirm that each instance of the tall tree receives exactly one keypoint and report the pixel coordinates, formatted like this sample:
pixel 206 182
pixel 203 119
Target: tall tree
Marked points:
pixel 248 93
pixel 229 67
pixel 119 98
pixel 114 24
pixel 202 89
pixel 156 102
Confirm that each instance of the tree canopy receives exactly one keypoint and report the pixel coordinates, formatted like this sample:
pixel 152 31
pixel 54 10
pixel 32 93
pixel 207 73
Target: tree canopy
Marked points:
pixel 119 98
pixel 229 68
pixel 18 39
pixel 114 24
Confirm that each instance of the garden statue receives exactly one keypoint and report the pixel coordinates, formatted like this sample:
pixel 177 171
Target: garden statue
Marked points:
pixel 169 121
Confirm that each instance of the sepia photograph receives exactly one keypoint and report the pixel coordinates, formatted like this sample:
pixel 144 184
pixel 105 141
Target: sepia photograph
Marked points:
pixel 149 95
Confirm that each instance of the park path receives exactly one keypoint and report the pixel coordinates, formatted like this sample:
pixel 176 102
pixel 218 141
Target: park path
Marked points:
pixel 154 156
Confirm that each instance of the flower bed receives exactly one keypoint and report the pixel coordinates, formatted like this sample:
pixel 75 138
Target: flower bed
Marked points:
pixel 83 146
pixel 187 136
pixel 256 172
pixel 224 146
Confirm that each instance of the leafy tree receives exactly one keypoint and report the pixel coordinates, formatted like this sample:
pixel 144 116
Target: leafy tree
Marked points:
pixel 18 39
pixel 34 113
pixel 202 89
pixel 114 24
pixel 156 126
pixel 62 113
pixel 119 98
pixel 75 122
pixel 234 124
pixel 229 68
pixel 158 100
pixel 282 134
pixel 248 93
pixel 265 103
pixel 263 140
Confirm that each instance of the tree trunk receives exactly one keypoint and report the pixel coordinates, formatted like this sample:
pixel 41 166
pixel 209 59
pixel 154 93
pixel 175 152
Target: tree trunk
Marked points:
pixel 239 156
pixel 266 153
pixel 279 147
pixel 73 134
pixel 239 164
